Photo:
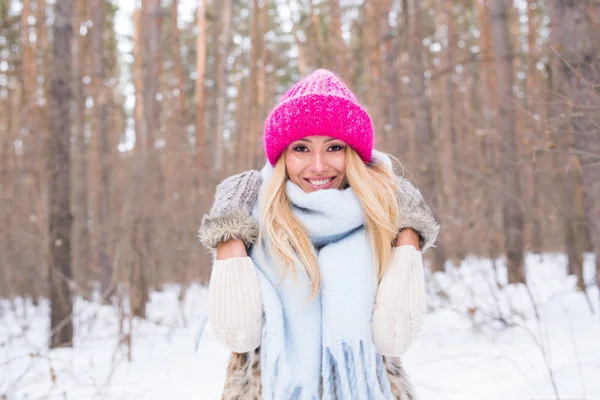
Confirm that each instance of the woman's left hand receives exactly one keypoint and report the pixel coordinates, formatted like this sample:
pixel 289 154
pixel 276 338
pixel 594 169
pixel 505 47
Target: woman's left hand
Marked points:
pixel 407 236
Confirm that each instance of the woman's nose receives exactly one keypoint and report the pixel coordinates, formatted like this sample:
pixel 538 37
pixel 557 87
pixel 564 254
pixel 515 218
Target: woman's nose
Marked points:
pixel 318 164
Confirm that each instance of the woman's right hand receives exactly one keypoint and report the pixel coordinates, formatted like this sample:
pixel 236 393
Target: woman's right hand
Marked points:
pixel 230 215
pixel 231 249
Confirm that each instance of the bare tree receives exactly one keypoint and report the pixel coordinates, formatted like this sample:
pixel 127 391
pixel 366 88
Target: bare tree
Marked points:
pixel 424 137
pixel 6 164
pixel 59 261
pixel 101 148
pixel 374 68
pixel 252 131
pixel 320 55
pixel 488 139
pixel 199 88
pixel 534 87
pixel 512 211
pixel 222 53
pixel 340 52
pixel 575 76
pixel 448 196
pixel 81 234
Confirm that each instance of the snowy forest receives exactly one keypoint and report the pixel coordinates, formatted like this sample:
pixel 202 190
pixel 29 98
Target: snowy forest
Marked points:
pixel 119 117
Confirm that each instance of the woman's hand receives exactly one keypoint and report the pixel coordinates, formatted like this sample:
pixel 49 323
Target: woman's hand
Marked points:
pixel 415 213
pixel 230 249
pixel 230 216
pixel 407 236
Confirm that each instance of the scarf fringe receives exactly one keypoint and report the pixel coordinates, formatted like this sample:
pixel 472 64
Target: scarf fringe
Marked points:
pixel 347 373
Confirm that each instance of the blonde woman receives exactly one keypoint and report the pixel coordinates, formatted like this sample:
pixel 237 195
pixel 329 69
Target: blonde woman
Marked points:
pixel 318 285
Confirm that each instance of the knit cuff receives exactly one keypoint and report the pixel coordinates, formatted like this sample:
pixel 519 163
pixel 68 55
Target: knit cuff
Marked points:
pixel 235 224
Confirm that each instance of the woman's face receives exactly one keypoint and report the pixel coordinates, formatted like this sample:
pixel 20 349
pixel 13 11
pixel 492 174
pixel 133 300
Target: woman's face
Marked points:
pixel 316 163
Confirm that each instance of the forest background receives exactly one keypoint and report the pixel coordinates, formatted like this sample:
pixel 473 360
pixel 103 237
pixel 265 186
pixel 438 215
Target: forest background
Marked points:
pixel 112 140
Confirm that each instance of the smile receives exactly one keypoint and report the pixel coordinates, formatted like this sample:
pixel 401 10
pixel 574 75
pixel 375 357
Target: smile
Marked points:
pixel 320 183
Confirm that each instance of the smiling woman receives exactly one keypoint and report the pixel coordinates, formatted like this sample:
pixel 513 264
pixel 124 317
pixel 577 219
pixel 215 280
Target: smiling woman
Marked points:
pixel 318 283
pixel 316 162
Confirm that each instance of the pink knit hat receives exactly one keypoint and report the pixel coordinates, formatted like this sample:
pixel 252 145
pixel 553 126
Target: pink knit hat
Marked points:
pixel 320 104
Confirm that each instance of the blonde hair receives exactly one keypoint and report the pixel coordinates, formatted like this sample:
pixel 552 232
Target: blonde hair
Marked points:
pixel 375 187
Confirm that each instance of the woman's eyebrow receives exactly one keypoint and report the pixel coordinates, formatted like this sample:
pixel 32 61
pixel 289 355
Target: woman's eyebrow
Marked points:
pixel 331 139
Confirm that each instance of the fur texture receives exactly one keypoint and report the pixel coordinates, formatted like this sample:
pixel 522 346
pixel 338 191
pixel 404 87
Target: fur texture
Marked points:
pixel 401 387
pixel 235 224
pixel 243 377
pixel 242 381
pixel 229 216
pixel 416 214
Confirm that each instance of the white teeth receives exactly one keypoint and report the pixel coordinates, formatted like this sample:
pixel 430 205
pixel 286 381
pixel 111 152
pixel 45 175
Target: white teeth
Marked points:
pixel 321 182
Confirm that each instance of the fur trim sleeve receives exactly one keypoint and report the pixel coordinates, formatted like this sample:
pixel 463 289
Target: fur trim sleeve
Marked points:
pixel 235 224
pixel 230 216
pixel 416 214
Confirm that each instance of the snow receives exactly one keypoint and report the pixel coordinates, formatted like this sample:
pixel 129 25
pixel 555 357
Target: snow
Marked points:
pixel 479 340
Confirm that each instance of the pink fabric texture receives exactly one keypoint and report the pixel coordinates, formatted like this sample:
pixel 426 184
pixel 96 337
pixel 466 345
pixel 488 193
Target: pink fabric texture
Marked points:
pixel 320 104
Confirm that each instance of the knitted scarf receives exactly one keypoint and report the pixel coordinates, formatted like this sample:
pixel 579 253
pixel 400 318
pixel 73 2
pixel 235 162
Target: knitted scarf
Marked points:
pixel 321 348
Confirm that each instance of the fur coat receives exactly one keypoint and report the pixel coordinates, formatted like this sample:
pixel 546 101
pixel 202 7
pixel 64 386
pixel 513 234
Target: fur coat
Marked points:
pixel 243 377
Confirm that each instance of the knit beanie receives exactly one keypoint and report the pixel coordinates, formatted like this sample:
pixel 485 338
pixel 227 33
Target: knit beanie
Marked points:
pixel 320 104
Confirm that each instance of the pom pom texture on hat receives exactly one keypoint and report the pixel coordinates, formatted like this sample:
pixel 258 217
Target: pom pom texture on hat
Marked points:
pixel 320 104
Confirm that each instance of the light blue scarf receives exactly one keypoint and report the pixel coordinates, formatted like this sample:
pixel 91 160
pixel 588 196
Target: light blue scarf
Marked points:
pixel 328 339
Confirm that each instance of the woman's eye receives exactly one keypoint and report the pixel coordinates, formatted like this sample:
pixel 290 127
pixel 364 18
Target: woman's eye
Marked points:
pixel 300 148
pixel 336 147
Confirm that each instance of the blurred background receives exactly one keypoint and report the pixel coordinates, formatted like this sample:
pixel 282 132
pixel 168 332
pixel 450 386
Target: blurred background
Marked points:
pixel 118 118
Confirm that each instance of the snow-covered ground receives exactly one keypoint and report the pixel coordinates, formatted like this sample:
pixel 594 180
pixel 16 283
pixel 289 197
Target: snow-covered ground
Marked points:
pixel 477 342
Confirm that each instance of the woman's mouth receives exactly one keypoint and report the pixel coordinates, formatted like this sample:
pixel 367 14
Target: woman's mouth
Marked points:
pixel 320 183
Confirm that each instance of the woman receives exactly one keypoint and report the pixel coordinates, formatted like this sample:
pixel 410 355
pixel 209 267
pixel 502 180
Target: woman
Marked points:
pixel 318 284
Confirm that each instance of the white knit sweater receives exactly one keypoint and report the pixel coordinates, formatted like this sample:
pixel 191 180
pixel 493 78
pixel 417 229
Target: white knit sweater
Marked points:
pixel 236 314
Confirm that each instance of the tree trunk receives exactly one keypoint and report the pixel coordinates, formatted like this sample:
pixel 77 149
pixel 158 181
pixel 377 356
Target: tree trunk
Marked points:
pixel 393 88
pixel 177 61
pixel 340 60
pixel 222 53
pixel 262 82
pixel 374 70
pixel 512 213
pixel 532 97
pixel 447 139
pixel 32 136
pixel 320 53
pixel 199 95
pixel 252 133
pixel 6 167
pixel 423 128
pixel 102 149
pixel 81 234
pixel 488 138
pixel 59 277
pixel 302 57
pixel 138 201
pixel 575 75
